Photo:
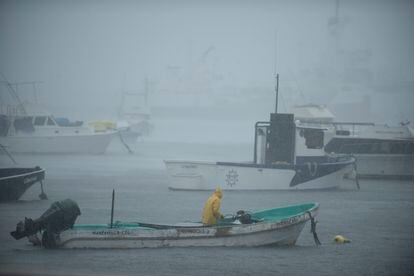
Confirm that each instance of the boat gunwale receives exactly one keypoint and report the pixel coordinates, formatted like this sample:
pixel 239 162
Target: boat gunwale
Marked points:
pixel 62 135
pixel 21 175
pixel 314 208
pixel 293 167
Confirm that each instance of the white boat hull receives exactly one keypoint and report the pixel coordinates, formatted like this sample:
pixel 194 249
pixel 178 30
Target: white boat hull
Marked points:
pixel 188 175
pixel 385 166
pixel 283 232
pixel 95 143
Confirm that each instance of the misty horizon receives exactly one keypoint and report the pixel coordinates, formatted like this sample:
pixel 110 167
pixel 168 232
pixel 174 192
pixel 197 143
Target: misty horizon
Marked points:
pixel 223 55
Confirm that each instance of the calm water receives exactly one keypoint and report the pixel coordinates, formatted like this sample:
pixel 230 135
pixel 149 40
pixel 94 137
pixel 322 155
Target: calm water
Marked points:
pixel 378 219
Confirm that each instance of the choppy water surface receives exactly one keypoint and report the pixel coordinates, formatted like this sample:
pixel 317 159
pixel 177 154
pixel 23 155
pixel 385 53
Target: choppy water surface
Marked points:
pixel 378 219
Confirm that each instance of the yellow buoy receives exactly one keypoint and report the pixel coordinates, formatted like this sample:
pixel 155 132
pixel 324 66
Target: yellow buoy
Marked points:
pixel 341 239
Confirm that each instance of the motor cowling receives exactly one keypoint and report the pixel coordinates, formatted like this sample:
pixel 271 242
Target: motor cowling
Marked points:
pixel 60 216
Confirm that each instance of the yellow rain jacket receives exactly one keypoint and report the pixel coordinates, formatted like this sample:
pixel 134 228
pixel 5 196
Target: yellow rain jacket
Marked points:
pixel 211 211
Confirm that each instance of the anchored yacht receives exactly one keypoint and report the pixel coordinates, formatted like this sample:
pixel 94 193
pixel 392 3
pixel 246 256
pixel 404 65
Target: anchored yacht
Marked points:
pixel 43 133
pixel 381 151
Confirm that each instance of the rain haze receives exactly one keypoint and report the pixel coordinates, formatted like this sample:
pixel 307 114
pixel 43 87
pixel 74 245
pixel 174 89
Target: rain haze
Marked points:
pixel 147 82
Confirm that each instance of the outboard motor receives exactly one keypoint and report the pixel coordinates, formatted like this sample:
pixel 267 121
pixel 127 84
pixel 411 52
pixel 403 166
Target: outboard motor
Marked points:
pixel 59 217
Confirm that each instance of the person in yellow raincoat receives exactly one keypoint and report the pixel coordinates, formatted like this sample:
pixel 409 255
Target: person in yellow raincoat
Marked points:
pixel 211 211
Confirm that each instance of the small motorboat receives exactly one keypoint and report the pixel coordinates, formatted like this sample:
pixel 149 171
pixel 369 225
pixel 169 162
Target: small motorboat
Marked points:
pixel 277 226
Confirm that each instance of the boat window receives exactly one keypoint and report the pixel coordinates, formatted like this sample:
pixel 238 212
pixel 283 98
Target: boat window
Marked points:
pixel 4 125
pixel 385 147
pixel 370 146
pixel 23 124
pixel 40 121
pixel 365 148
pixel 409 149
pixel 397 148
pixel 50 122
pixel 343 132
pixel 375 148
pixel 313 138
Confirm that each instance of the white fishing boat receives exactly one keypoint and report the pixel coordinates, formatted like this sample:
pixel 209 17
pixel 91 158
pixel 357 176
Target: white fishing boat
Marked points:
pixel 277 226
pixel 284 159
pixel 42 133
pixel 381 151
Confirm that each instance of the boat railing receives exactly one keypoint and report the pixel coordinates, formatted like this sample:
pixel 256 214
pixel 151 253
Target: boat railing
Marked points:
pixel 350 126
pixel 10 110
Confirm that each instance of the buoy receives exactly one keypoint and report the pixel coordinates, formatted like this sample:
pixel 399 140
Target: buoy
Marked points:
pixel 341 239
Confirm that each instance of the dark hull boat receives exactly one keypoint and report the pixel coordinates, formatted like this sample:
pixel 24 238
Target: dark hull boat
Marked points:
pixel 15 181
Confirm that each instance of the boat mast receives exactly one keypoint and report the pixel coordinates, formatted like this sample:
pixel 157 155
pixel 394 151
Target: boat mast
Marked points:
pixel 277 91
pixel 14 94
pixel 277 75
pixel 112 208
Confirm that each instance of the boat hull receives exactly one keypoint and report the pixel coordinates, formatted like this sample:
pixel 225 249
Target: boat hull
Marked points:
pixel 189 175
pixel 391 166
pixel 282 232
pixel 83 143
pixel 15 181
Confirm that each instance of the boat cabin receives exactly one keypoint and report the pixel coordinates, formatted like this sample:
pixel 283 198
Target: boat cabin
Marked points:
pixel 29 124
pixel 282 140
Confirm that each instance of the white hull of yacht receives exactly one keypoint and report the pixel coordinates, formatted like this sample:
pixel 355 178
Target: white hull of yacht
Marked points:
pixel 95 143
pixel 385 166
pixel 189 175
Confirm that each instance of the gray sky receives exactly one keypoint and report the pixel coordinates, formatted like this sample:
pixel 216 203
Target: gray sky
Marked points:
pixel 95 49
